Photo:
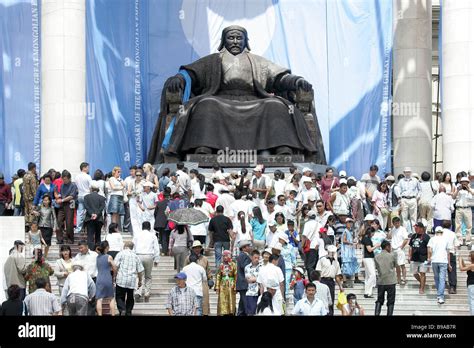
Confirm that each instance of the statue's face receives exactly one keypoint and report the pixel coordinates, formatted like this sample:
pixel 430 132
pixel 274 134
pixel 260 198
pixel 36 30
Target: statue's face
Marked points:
pixel 235 41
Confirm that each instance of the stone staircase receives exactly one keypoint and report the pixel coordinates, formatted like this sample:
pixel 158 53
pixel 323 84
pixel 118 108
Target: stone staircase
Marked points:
pixel 408 300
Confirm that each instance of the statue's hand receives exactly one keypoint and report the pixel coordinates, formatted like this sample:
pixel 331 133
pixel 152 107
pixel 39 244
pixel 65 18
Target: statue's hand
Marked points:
pixel 176 84
pixel 303 85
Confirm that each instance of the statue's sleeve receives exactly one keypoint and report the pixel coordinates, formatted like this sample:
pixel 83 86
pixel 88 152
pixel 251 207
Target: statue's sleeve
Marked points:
pixel 203 73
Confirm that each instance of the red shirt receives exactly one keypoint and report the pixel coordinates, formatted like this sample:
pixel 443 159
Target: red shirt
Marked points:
pixel 58 183
pixel 5 193
pixel 211 198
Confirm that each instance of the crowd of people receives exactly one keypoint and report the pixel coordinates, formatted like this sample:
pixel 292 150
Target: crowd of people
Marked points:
pixel 259 227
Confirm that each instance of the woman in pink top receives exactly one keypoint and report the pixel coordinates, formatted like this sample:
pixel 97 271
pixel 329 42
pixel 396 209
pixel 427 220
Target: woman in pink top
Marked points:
pixel 329 184
pixel 380 204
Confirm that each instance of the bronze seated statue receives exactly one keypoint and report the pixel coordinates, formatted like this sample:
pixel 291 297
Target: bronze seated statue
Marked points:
pixel 236 100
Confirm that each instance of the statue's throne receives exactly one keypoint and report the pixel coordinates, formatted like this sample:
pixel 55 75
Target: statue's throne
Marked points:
pixel 304 101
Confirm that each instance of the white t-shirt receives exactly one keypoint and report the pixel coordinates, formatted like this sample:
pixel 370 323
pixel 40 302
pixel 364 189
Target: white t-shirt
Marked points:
pixel 270 273
pixel 279 186
pixel 83 182
pixel 398 236
pixel 311 231
pixel 115 241
pixel 237 206
pixel 440 248
pixel 115 187
pixel 453 242
pixel 196 275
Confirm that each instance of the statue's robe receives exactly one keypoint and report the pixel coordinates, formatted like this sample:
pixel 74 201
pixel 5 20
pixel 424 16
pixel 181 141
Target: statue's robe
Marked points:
pixel 234 104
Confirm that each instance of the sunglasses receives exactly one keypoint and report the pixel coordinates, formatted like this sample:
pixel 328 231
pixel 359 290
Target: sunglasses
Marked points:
pixel 138 175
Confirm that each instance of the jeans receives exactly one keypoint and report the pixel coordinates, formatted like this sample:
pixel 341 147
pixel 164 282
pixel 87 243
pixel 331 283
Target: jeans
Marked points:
pixel 439 272
pixel 18 211
pixel 218 248
pixel 199 305
pixel 251 305
pixel 470 296
pixel 81 214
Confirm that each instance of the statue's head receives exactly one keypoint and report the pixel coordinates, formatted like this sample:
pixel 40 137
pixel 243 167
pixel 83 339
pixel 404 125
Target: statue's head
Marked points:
pixel 234 39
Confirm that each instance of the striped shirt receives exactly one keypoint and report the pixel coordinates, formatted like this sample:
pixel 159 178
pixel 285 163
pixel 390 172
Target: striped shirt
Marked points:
pixel 129 265
pixel 42 302
pixel 182 301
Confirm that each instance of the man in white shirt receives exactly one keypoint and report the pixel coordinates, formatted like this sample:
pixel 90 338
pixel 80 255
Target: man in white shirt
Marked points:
pixel 271 238
pixel 330 273
pixel 238 205
pixel 443 206
pixel 225 199
pixel 322 290
pixel 146 203
pixel 438 255
pixel 321 213
pixel 148 251
pixel 88 259
pixel 311 233
pixel 464 200
pixel 453 243
pixel 83 182
pixel 399 240
pixel 183 179
pixel 174 185
pixel 410 193
pixel 369 182
pixel 196 276
pixel 78 290
pixel 310 305
pixel 271 275
pixel 260 186
pixel 307 191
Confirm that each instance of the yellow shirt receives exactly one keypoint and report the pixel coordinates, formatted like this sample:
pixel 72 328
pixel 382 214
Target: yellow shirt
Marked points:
pixel 16 185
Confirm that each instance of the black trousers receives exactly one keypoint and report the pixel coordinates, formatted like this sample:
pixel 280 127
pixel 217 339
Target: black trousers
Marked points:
pixel 125 300
pixel 310 261
pixel 127 224
pixel 242 304
pixel 390 290
pixel 452 276
pixel 163 235
pixel 331 283
pixel 93 229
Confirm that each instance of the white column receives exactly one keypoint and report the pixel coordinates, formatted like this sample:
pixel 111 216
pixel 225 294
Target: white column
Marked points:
pixel 457 85
pixel 412 118
pixel 63 78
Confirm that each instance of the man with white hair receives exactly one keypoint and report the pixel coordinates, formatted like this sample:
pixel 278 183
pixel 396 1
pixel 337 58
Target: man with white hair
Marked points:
pixel 443 206
pixel 78 290
pixel 331 274
pixel 129 268
pixel 410 192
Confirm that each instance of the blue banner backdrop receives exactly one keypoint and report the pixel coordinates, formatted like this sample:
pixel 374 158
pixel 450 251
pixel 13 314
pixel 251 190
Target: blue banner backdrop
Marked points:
pixel 342 47
pixel 20 109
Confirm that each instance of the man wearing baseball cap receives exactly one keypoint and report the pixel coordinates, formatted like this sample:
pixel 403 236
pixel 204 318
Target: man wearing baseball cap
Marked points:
pixel 182 299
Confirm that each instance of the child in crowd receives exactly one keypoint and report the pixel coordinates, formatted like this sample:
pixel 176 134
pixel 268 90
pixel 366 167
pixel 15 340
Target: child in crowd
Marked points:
pixel 298 284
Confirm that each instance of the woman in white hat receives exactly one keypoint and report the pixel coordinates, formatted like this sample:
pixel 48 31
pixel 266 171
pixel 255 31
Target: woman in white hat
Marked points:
pixel 242 231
